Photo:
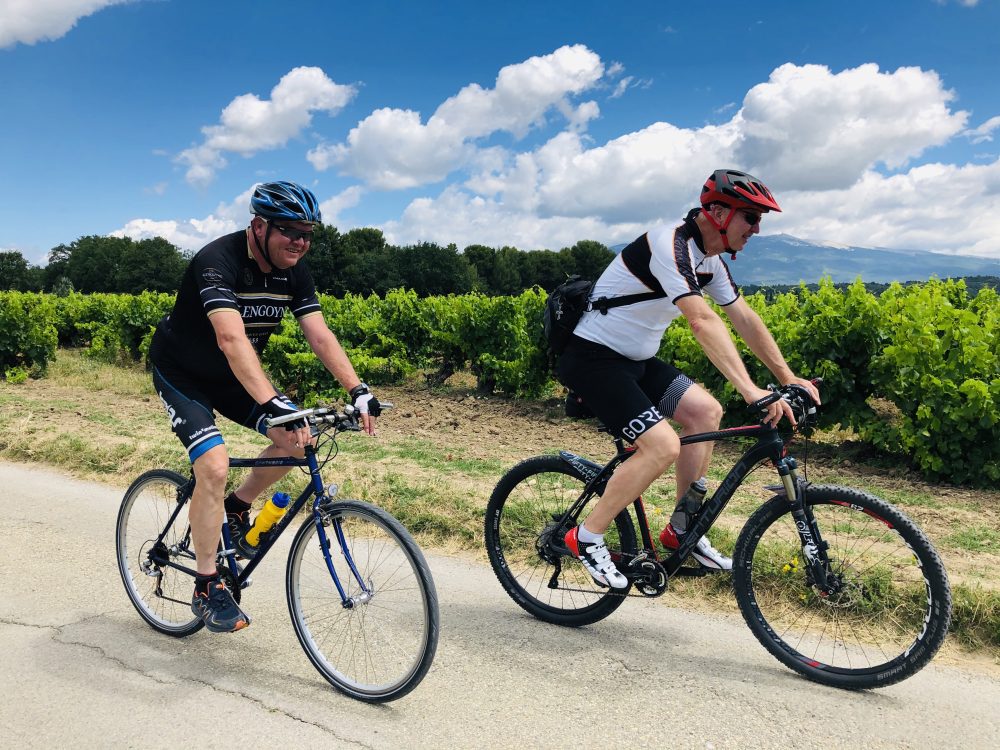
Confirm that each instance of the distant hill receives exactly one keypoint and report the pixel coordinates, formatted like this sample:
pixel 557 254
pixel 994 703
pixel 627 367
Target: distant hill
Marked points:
pixel 782 259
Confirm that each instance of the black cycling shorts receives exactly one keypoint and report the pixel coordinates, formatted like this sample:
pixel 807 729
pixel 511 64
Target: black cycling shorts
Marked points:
pixel 628 397
pixel 190 403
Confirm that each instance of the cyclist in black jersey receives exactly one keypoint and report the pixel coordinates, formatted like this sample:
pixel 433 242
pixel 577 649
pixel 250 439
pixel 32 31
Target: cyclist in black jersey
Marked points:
pixel 611 364
pixel 206 359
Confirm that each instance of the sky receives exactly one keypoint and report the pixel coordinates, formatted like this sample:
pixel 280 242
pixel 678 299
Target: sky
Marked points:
pixel 531 124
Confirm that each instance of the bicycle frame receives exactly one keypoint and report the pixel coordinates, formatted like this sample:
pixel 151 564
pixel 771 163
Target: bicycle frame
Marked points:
pixel 769 446
pixel 315 488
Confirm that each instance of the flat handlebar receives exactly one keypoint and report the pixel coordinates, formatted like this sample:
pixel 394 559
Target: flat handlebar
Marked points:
pixel 345 420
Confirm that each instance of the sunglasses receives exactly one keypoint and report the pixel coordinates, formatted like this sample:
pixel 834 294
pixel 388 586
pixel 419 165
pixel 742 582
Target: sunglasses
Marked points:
pixel 751 218
pixel 294 234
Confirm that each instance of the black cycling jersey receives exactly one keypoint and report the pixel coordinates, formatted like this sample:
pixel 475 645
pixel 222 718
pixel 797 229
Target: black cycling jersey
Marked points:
pixel 224 276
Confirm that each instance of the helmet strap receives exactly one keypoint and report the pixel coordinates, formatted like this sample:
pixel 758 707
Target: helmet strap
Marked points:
pixel 722 228
pixel 263 250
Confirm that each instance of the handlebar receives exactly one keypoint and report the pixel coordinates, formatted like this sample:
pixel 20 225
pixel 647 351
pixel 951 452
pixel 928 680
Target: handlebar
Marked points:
pixel 346 420
pixel 803 406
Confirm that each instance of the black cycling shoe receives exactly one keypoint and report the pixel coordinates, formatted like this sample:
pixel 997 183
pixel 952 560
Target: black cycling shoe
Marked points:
pixel 239 525
pixel 218 610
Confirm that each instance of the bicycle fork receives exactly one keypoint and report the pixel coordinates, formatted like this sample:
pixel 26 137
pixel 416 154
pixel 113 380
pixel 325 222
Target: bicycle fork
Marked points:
pixel 814 549
pixel 367 588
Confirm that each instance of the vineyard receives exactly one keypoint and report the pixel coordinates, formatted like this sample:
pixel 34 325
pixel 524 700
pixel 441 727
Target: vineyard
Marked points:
pixel 915 371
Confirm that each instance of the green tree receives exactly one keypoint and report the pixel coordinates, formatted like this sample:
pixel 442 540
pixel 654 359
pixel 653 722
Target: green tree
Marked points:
pixel 153 265
pixel 327 260
pixel 56 273
pixel 95 262
pixel 16 274
pixel 589 258
pixel 430 269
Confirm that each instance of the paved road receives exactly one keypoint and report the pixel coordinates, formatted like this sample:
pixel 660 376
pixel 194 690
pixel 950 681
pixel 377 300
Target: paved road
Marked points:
pixel 79 666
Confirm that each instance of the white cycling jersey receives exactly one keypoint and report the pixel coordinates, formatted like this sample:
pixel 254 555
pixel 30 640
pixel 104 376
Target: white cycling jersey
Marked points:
pixel 667 257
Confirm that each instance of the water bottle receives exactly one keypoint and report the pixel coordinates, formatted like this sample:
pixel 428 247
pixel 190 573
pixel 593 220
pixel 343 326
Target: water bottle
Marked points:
pixel 269 515
pixel 688 505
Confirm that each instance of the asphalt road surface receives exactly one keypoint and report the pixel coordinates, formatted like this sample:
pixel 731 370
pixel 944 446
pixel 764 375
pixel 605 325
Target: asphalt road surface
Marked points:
pixel 79 667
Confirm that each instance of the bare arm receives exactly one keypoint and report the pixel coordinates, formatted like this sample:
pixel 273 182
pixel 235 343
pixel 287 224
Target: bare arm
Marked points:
pixel 242 357
pixel 713 337
pixel 326 346
pixel 753 331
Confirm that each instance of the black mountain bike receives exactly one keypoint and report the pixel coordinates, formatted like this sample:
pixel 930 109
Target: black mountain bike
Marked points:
pixel 359 591
pixel 837 584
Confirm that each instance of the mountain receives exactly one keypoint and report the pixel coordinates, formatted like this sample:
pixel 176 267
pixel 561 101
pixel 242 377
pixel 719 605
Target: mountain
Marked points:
pixel 782 259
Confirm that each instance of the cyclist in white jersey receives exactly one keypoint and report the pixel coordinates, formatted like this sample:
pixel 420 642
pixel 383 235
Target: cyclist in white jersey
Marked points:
pixel 611 364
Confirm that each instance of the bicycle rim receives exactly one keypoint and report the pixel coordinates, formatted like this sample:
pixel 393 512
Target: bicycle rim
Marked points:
pixel 885 612
pixel 380 647
pixel 522 531
pixel 161 594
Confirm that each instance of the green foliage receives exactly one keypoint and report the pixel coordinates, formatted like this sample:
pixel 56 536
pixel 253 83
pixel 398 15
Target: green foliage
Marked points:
pixel 941 368
pixel 916 372
pixel 27 334
pixel 113 327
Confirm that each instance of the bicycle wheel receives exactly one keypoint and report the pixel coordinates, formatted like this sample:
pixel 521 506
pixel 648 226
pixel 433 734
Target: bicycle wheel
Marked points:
pixel 379 644
pixel 161 594
pixel 524 540
pixel 887 603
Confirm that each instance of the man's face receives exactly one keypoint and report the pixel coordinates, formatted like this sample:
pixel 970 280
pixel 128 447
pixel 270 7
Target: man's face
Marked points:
pixel 743 225
pixel 288 241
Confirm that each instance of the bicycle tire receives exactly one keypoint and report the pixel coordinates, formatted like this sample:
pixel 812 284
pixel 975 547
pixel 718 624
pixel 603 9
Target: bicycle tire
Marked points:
pixel 160 594
pixel 890 614
pixel 381 648
pixel 524 505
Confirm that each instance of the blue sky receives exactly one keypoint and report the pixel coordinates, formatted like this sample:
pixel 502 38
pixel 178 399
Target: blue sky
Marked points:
pixel 533 124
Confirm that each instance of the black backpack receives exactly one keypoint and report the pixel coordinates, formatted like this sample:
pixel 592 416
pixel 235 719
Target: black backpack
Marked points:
pixel 570 300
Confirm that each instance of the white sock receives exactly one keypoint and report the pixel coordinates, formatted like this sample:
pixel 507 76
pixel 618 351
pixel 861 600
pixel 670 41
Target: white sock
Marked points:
pixel 584 535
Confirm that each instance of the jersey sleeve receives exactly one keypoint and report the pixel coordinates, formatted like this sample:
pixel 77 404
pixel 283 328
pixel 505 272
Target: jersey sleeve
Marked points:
pixel 304 299
pixel 671 263
pixel 216 282
pixel 722 288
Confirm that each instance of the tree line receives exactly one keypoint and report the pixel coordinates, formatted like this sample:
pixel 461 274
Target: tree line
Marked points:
pixel 359 261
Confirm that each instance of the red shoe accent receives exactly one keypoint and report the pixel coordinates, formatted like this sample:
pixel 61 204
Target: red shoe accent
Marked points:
pixel 668 537
pixel 572 542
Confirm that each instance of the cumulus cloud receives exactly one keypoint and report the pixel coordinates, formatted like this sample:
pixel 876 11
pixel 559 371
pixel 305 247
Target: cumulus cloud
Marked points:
pixel 985 131
pixel 394 149
pixel 30 21
pixel 332 207
pixel 249 124
pixel 465 219
pixel 192 234
pixel 808 127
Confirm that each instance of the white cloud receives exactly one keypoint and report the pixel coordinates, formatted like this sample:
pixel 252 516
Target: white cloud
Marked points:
pixel 465 219
pixel 392 148
pixel 249 124
pixel 984 132
pixel 930 207
pixel 332 207
pixel 30 21
pixel 807 127
pixel 192 234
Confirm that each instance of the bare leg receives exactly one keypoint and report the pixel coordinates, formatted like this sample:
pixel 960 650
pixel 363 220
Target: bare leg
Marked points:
pixel 206 509
pixel 656 449
pixel 260 478
pixel 698 411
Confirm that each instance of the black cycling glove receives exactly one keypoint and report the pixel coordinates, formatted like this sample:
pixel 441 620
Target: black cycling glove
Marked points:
pixel 279 406
pixel 364 400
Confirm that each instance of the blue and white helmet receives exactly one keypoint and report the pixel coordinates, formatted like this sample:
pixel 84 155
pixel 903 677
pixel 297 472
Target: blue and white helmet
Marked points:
pixel 285 200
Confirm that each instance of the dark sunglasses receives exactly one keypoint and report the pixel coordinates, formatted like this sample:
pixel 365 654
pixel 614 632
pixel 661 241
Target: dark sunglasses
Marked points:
pixel 294 234
pixel 751 218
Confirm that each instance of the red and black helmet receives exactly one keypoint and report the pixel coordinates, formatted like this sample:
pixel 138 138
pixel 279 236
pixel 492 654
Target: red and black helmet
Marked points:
pixel 738 190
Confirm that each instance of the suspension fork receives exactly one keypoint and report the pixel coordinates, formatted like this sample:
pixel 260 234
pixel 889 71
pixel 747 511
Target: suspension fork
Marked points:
pixel 814 549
